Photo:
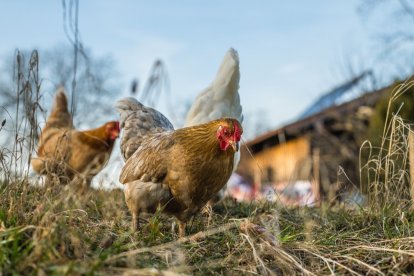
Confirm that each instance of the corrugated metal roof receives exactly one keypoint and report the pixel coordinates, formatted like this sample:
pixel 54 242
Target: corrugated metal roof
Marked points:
pixel 343 93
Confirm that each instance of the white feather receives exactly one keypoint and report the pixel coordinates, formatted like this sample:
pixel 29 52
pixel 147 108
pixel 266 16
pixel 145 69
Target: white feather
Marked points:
pixel 221 98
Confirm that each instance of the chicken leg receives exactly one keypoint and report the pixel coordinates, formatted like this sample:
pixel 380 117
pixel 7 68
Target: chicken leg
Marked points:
pixel 181 229
pixel 135 221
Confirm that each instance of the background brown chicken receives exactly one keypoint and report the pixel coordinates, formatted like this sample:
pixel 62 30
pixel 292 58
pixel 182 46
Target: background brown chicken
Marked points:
pixel 181 170
pixel 69 153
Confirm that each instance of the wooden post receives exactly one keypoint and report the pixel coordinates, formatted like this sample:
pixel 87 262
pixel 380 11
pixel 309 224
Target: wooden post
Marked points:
pixel 411 160
pixel 316 157
pixel 257 180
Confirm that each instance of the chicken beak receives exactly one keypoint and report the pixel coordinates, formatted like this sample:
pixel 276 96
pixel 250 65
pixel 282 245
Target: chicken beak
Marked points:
pixel 234 145
pixel 115 135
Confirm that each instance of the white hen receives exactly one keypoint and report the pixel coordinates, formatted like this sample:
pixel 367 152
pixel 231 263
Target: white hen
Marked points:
pixel 220 99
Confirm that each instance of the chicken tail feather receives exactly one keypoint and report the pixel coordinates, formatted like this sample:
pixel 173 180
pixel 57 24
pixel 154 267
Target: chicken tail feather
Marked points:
pixel 229 75
pixel 220 99
pixel 60 116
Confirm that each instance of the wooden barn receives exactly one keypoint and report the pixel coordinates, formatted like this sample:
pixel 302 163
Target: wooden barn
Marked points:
pixel 321 148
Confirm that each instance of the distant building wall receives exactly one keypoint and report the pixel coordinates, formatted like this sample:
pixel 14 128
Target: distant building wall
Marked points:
pixel 283 162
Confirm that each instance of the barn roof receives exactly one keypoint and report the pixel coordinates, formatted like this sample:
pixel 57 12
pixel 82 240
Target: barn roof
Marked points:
pixel 304 125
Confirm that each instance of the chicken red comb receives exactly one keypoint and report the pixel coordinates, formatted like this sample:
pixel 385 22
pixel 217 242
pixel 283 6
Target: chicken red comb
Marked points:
pixel 237 132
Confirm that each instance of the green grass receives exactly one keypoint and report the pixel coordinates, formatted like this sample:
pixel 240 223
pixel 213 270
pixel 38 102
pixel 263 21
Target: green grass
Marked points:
pixel 59 231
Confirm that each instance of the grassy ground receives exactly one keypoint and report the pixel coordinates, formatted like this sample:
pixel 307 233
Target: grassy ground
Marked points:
pixel 60 231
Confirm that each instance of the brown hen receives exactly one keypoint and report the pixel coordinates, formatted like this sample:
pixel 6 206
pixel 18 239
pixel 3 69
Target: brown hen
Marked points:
pixel 179 170
pixel 69 153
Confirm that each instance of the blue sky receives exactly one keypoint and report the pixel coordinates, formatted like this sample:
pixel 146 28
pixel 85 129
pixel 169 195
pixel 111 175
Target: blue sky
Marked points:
pixel 290 51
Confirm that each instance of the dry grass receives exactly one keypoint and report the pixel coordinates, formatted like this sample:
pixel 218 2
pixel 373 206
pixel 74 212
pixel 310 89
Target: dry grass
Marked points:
pixel 387 170
pixel 59 230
